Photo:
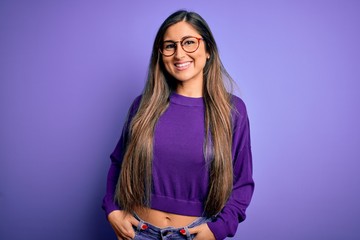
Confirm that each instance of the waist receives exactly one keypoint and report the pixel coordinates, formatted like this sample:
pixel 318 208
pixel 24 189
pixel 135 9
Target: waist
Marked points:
pixel 163 219
pixel 185 206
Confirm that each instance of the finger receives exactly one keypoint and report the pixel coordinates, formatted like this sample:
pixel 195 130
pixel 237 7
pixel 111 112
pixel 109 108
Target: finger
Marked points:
pixel 119 237
pixel 126 230
pixel 129 233
pixel 193 230
pixel 134 221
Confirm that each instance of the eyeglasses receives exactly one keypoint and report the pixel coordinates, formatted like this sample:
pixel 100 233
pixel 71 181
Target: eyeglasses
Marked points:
pixel 188 44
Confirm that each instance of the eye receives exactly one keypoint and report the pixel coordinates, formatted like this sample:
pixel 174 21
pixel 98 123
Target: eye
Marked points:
pixel 188 42
pixel 169 46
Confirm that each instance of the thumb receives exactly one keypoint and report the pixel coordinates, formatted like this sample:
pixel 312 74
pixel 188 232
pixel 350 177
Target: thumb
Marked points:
pixel 194 230
pixel 134 221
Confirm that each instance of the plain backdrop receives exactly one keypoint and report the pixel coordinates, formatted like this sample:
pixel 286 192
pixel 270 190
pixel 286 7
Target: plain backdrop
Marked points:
pixel 69 70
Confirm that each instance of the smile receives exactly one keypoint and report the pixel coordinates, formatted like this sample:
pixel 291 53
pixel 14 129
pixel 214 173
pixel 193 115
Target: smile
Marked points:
pixel 182 66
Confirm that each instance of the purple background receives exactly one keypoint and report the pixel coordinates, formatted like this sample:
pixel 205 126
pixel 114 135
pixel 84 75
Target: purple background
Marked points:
pixel 70 69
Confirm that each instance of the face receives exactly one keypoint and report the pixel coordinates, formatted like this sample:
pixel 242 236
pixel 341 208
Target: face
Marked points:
pixel 184 66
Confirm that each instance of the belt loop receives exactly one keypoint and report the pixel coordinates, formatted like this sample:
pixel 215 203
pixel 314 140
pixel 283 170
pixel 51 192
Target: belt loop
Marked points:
pixel 187 232
pixel 140 225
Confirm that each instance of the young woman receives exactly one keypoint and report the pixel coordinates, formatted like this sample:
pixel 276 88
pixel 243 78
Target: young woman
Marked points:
pixel 182 168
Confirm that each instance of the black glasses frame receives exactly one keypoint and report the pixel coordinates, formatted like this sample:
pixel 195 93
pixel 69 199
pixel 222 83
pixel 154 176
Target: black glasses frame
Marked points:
pixel 181 44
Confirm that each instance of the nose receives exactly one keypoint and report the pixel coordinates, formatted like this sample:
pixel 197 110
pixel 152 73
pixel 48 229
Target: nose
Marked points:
pixel 179 51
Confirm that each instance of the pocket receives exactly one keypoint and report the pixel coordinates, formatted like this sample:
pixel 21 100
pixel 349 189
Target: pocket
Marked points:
pixel 136 237
pixel 140 235
pixel 192 236
pixel 136 231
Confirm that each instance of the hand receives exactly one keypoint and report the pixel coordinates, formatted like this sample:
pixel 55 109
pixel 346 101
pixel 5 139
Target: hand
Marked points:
pixel 202 232
pixel 122 223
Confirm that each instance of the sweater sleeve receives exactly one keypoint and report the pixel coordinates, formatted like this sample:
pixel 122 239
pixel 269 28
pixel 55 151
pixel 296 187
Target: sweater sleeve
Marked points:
pixel 109 204
pixel 227 221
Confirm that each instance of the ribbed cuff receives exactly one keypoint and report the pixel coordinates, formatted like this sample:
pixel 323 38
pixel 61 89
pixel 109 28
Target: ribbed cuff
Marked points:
pixel 108 206
pixel 219 229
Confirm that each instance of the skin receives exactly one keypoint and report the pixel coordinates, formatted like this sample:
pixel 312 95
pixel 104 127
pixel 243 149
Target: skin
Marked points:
pixel 122 223
pixel 190 80
pixel 190 84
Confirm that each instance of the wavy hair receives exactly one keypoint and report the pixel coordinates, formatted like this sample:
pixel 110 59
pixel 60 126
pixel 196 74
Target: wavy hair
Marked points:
pixel 135 180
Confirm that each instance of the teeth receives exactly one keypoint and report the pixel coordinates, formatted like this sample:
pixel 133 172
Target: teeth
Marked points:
pixel 182 64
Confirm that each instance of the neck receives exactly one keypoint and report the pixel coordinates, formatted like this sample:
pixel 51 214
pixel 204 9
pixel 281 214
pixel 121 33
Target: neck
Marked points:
pixel 189 90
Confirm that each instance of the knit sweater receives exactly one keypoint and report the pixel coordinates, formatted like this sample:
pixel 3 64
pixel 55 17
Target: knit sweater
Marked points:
pixel 180 174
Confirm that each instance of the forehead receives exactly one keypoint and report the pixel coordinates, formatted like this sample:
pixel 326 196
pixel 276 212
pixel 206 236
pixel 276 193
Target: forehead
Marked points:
pixel 180 30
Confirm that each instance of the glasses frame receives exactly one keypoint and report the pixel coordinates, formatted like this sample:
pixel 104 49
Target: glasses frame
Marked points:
pixel 181 44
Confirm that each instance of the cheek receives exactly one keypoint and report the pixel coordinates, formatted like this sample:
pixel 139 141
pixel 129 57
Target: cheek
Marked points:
pixel 167 63
pixel 201 60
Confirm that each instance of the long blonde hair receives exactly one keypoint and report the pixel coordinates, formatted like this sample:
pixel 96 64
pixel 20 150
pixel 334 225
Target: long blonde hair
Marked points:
pixel 135 180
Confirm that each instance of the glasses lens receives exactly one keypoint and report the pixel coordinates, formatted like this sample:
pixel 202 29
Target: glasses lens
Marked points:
pixel 168 48
pixel 190 44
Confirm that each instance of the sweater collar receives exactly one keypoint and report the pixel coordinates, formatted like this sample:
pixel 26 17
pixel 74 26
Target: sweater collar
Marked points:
pixel 186 101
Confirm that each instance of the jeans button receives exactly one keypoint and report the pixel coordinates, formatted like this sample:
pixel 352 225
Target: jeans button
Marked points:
pixel 144 226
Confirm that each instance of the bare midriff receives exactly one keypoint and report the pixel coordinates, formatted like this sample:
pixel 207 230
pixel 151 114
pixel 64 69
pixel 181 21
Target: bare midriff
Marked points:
pixel 164 219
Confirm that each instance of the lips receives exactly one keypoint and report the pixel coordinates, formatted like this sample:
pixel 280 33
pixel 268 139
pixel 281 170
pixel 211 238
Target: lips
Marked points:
pixel 182 65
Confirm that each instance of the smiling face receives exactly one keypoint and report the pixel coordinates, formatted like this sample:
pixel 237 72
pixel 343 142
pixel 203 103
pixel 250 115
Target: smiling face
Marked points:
pixel 183 66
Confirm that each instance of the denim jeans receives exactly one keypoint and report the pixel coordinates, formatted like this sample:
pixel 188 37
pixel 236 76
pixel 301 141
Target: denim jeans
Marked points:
pixel 146 231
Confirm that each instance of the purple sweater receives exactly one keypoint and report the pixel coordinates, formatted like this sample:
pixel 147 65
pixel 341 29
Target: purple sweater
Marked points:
pixel 180 174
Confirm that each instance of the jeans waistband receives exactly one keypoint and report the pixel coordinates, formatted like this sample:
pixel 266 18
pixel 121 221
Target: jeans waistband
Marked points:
pixel 169 230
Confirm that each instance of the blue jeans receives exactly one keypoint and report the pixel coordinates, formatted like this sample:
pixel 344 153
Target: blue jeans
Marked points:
pixel 145 231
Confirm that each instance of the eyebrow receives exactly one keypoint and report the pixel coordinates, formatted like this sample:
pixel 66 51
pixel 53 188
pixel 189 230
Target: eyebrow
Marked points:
pixel 180 39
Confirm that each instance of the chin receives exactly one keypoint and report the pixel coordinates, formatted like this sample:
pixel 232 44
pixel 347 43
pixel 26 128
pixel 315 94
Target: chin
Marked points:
pixel 182 78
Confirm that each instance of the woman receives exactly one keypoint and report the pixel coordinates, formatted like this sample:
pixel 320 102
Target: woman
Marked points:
pixel 182 168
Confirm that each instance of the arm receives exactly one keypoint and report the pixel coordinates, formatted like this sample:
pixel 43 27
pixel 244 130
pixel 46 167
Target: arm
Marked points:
pixel 108 204
pixel 116 157
pixel 120 221
pixel 226 222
